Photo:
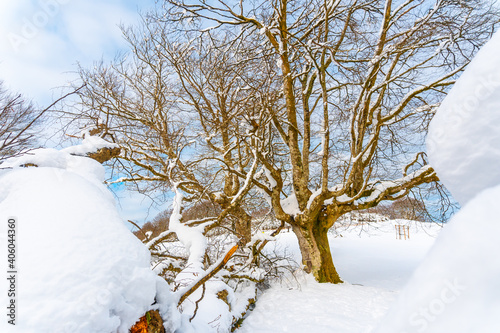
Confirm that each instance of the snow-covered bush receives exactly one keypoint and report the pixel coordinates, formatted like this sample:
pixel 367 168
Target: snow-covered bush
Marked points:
pixel 214 288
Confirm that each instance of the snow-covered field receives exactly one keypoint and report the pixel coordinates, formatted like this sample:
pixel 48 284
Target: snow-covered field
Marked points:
pixel 80 269
pixel 374 265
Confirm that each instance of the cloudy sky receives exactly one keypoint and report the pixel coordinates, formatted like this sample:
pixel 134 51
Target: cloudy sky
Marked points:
pixel 42 41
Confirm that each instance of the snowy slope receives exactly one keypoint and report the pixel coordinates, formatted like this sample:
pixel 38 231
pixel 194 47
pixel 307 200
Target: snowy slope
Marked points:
pixel 318 308
pixel 79 268
pixel 457 287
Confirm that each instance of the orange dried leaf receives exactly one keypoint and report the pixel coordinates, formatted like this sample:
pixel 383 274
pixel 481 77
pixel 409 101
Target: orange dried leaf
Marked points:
pixel 141 326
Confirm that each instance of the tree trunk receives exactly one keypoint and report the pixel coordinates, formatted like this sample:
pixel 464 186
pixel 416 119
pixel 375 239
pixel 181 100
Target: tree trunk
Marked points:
pixel 316 255
pixel 243 225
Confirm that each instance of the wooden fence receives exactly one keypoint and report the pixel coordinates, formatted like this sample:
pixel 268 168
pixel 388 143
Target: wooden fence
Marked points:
pixel 402 231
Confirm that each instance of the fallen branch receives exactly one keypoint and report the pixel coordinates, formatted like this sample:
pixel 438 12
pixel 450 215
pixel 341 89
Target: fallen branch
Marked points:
pixel 210 273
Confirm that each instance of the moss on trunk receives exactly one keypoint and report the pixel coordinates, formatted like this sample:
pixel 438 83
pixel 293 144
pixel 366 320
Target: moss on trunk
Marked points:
pixel 316 254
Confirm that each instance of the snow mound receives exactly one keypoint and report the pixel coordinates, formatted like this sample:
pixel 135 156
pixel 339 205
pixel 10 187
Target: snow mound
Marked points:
pixel 464 140
pixel 59 159
pixel 456 288
pixel 79 269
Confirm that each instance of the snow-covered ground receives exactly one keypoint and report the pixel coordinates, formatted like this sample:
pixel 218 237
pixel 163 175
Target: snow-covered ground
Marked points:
pixel 393 286
pixel 374 265
pixel 81 270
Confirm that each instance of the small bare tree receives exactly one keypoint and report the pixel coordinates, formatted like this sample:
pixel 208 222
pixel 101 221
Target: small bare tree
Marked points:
pixel 17 119
pixel 18 122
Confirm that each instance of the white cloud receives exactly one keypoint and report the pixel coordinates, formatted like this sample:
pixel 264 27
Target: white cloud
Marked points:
pixel 42 41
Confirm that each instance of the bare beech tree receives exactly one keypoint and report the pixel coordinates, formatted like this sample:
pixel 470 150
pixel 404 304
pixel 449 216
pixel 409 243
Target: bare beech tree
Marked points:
pixel 318 107
pixel 359 82
pixel 177 102
pixel 184 115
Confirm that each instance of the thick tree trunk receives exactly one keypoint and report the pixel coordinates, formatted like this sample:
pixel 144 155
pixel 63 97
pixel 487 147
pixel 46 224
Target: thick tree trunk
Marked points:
pixel 316 254
pixel 327 271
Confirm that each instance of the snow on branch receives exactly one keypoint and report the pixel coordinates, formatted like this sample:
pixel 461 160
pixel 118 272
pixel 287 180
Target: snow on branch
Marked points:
pixel 392 190
pixel 205 276
pixel 191 237
pixel 96 148
pixel 248 181
pixel 152 243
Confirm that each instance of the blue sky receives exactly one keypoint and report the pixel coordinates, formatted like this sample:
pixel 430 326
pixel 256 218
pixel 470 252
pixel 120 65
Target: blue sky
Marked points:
pixel 41 43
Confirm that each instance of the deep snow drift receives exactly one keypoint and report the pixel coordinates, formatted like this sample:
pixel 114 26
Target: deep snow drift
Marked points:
pixel 457 287
pixel 79 269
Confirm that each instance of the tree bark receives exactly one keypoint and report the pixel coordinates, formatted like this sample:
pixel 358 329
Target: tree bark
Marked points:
pixel 316 254
pixel 327 271
pixel 243 225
